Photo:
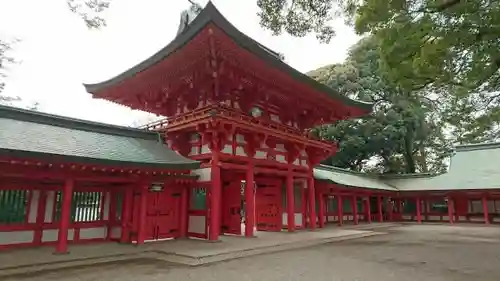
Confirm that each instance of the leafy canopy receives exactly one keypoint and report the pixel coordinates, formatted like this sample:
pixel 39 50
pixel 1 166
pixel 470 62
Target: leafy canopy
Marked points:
pixel 403 135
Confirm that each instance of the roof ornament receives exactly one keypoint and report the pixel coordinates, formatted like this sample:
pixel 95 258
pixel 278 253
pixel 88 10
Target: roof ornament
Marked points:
pixel 188 15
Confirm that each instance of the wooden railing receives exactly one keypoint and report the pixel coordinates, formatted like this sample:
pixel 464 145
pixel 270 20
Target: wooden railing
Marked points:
pixel 229 113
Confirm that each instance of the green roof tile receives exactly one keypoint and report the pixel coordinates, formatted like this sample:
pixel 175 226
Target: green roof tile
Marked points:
pixel 473 167
pixel 349 178
pixel 32 134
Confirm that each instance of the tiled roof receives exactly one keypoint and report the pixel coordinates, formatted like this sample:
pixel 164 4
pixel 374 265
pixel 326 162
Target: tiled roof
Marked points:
pixel 30 134
pixel 208 15
pixel 349 178
pixel 473 167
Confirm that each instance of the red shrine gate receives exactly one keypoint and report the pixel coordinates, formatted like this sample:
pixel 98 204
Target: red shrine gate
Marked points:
pixel 163 208
pixel 229 107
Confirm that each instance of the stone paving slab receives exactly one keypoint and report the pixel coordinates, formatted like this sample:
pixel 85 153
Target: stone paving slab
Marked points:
pixel 185 251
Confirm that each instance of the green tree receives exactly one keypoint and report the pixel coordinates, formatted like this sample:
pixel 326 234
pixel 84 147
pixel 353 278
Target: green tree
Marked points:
pixel 301 17
pixel 448 47
pixel 403 135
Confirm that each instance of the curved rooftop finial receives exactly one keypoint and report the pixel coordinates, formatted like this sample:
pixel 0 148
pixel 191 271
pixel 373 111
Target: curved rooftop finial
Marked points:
pixel 188 15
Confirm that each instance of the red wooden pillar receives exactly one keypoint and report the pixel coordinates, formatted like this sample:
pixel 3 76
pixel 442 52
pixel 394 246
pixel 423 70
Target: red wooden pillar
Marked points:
pixel 379 208
pixel 419 212
pixel 184 211
pixel 355 209
pixel 321 212
pixel 111 212
pixel 303 199
pixel 450 210
pixel 312 203
pixel 40 217
pixel 368 212
pixel 215 198
pixel 290 204
pixel 62 237
pixel 126 214
pixel 141 232
pixel 390 207
pixel 485 210
pixel 249 203
pixel 456 218
pixel 340 211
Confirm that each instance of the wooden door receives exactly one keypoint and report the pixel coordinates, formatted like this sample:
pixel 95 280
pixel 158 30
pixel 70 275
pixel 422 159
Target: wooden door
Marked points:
pixel 231 208
pixel 268 209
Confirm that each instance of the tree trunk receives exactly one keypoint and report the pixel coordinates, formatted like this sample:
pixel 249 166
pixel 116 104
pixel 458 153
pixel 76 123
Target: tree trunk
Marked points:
pixel 408 152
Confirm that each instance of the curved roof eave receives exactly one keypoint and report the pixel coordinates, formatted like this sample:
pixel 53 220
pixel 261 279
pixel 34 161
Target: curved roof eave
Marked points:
pixel 210 14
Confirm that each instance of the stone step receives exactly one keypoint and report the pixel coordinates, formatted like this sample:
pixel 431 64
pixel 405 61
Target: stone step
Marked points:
pixel 176 258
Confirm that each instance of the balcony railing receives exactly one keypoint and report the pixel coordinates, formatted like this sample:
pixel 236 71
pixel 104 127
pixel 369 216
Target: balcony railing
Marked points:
pixel 228 113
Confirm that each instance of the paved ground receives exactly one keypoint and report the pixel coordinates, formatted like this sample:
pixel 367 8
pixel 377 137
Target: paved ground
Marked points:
pixel 428 252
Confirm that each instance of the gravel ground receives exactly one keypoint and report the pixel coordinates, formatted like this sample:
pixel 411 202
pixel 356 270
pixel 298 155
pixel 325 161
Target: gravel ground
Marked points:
pixel 427 252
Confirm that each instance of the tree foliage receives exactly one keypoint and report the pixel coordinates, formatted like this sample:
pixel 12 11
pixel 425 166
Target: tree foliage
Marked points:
pixel 403 135
pixel 6 60
pixel 425 41
pixel 89 11
pixel 448 47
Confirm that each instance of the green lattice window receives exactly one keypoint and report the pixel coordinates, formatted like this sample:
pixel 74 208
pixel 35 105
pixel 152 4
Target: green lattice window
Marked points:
pixel 409 206
pixel 85 206
pixel 198 200
pixel 13 206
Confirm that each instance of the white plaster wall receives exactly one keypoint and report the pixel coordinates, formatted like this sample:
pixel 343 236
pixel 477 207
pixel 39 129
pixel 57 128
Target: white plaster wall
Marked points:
pixel 50 235
pixel 116 232
pixel 16 237
pixel 280 147
pixel 281 158
pixel 196 224
pixel 298 219
pixel 259 154
pixel 204 174
pixel 35 197
pixel 49 206
pixel 228 148
pixel 194 150
pixel 240 151
pixel 107 203
pixel 477 219
pixel 205 149
pixel 240 139
pixel 92 233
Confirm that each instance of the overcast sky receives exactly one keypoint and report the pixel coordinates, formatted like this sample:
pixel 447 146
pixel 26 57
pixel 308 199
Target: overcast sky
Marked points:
pixel 58 53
